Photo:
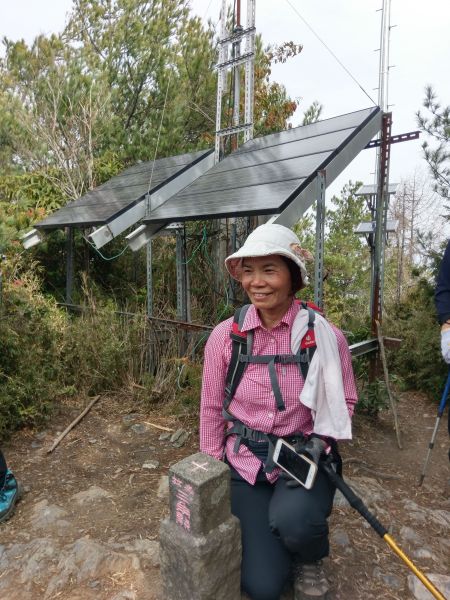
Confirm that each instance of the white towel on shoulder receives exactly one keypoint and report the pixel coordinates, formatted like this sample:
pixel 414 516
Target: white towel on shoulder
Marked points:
pixel 323 391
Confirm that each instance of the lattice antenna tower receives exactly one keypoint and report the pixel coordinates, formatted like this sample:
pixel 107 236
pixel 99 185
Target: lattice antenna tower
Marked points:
pixel 230 58
pixel 383 102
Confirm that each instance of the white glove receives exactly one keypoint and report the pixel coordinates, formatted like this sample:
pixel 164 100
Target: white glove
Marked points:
pixel 445 345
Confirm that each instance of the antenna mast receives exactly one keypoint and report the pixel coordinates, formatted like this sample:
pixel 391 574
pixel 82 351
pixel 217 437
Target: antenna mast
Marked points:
pixel 233 60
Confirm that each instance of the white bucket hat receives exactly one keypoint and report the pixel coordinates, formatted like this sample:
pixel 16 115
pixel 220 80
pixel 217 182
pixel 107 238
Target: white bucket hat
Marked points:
pixel 266 240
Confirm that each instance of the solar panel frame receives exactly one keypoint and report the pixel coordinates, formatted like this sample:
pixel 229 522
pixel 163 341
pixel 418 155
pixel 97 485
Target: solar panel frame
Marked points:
pixel 117 195
pixel 192 202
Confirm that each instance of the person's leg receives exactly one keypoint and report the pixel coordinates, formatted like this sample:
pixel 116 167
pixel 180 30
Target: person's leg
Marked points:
pixel 266 563
pixel 10 490
pixel 299 517
pixel 3 469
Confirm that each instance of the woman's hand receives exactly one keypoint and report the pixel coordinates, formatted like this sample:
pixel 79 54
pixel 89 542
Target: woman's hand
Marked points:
pixel 445 343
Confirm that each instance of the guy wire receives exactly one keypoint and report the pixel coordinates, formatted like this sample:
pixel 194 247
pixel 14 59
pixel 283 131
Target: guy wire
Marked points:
pixel 331 52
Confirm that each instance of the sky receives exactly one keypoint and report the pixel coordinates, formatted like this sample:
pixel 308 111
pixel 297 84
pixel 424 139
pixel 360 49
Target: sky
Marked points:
pixel 419 55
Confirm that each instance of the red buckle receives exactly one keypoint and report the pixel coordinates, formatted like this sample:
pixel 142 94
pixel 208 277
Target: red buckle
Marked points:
pixel 235 329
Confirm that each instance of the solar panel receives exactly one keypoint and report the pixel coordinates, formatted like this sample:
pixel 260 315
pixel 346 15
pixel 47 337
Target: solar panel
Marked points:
pixel 124 191
pixel 371 189
pixel 267 174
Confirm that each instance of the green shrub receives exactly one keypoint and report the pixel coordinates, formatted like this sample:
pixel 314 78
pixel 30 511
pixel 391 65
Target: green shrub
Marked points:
pixel 418 361
pixel 31 332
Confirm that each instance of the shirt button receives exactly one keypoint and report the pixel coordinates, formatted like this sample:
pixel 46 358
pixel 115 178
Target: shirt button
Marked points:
pixel 270 415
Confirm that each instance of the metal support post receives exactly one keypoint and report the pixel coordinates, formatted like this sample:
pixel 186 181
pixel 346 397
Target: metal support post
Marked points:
pixel 380 234
pixel 69 264
pixel 249 71
pixel 149 279
pixel 236 53
pixel 233 248
pixel 182 300
pixel 183 308
pixel 320 238
pixel 224 64
pixel 221 79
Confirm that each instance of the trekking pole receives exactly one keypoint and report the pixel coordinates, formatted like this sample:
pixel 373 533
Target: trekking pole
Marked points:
pixel 433 437
pixel 356 503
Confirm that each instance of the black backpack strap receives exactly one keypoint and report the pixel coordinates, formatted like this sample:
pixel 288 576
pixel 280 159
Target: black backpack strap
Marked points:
pixel 241 341
pixel 307 353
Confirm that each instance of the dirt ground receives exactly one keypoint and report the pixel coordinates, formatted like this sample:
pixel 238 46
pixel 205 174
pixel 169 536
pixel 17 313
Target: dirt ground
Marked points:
pixel 103 450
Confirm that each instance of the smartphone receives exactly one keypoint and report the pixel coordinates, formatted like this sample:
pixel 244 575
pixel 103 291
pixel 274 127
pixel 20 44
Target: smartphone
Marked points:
pixel 298 466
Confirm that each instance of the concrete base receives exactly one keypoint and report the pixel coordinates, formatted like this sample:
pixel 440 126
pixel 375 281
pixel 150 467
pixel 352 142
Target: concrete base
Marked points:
pixel 201 567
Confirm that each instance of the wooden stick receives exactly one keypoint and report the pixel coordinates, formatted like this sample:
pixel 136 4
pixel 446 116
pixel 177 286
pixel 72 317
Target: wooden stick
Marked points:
pixel 74 422
pixel 388 387
pixel 158 426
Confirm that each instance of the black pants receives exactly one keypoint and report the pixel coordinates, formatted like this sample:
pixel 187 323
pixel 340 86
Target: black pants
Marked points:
pixel 3 468
pixel 278 522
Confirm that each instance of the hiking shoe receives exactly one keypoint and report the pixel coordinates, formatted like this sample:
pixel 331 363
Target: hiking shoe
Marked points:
pixel 310 582
pixel 10 493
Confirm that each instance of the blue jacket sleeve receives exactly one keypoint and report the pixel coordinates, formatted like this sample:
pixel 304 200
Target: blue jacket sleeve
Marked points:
pixel 442 292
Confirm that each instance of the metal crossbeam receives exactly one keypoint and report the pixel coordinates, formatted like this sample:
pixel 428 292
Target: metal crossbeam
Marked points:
pixel 364 347
pixel 236 129
pixel 238 36
pixel 235 62
pixel 395 139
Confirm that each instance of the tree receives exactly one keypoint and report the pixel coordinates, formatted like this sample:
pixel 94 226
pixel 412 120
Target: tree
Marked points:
pixel 346 258
pixel 436 123
pixel 415 208
pixel 312 114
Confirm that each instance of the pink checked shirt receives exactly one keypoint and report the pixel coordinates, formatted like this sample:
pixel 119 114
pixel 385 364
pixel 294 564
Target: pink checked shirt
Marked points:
pixel 254 402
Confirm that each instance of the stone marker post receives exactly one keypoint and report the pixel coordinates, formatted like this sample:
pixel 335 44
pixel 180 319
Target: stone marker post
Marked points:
pixel 200 543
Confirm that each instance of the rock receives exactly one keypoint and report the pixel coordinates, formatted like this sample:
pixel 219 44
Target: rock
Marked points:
pixel 165 436
pixel 369 490
pixel 45 515
pixel 151 464
pixel 163 488
pixel 23 564
pixel 425 515
pixel 440 517
pixel 144 453
pixel 409 535
pixel 147 550
pixel 86 560
pixel 178 439
pixel 128 420
pixel 139 428
pixel 390 580
pixel 92 494
pixel 420 592
pixel 423 553
pixel 339 537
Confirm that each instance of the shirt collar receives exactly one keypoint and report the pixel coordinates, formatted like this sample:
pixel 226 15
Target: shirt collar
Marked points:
pixel 252 319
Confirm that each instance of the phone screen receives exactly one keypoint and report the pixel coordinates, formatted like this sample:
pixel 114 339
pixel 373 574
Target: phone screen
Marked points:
pixel 293 463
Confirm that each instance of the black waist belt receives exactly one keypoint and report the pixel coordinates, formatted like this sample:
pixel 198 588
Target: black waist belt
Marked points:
pixel 258 442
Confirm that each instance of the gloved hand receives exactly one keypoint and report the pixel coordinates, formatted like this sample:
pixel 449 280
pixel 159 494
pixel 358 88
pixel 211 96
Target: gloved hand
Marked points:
pixel 445 345
pixel 313 449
